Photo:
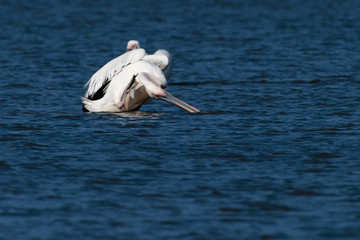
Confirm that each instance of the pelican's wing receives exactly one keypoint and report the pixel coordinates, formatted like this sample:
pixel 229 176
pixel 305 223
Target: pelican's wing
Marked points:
pixel 162 59
pixel 109 70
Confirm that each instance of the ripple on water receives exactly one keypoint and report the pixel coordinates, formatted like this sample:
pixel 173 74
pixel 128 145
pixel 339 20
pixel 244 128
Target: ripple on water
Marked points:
pixel 275 144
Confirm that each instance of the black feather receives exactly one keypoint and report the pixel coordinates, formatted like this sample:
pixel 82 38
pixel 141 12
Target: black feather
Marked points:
pixel 99 93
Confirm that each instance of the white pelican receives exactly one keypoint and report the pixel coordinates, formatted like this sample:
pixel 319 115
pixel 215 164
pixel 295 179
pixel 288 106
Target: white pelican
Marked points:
pixel 128 81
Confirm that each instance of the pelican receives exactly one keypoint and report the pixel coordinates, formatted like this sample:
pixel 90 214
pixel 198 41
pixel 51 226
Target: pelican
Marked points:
pixel 128 81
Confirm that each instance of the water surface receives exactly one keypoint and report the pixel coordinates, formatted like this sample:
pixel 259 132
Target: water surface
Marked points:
pixel 274 155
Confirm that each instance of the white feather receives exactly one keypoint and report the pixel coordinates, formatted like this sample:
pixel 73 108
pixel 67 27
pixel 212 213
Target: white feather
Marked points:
pixel 162 59
pixel 111 69
pixel 148 74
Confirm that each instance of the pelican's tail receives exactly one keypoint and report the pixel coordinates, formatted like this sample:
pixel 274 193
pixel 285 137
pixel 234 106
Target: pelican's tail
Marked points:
pixel 90 106
pixel 97 106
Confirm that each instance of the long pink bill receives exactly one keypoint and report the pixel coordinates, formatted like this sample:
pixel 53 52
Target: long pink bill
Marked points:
pixel 177 102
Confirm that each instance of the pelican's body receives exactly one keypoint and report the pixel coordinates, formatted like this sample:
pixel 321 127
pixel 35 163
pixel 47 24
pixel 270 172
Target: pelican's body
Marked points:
pixel 128 81
pixel 129 89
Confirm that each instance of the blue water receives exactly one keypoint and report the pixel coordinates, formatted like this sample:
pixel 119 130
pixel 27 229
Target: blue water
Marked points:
pixel 273 155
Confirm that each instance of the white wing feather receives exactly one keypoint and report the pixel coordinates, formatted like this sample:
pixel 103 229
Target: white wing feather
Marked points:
pixel 110 69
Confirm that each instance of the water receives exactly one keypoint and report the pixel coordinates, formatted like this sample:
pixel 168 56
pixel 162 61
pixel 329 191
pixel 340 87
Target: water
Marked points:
pixel 274 155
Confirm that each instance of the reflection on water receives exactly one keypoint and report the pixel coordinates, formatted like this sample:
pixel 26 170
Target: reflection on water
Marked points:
pixel 139 114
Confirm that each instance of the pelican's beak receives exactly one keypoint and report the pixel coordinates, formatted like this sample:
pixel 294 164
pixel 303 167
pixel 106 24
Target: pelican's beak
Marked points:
pixel 177 102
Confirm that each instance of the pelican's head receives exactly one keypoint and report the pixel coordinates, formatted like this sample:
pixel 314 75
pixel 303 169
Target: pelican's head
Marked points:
pixel 155 89
pixel 132 44
pixel 153 86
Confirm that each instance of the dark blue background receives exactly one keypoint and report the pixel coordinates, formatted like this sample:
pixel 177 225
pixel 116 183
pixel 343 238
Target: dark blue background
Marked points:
pixel 275 155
